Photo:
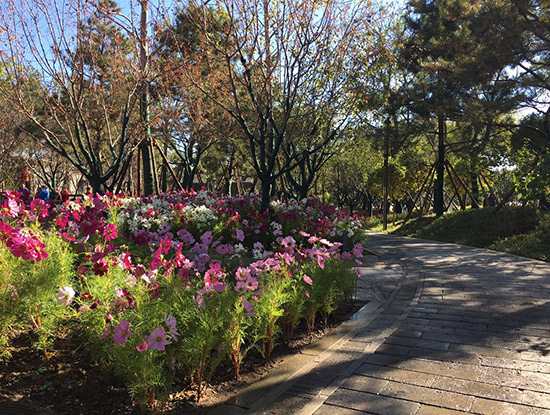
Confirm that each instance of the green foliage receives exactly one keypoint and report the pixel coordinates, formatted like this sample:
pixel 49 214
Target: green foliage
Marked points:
pixel 534 244
pixel 515 230
pixel 331 285
pixel 28 292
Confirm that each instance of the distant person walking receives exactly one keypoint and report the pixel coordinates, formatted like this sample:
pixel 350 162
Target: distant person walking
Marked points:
pixel 44 194
pixel 65 195
pixel 25 178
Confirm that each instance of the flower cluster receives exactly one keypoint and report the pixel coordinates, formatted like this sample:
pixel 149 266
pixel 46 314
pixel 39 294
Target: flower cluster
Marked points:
pixel 224 270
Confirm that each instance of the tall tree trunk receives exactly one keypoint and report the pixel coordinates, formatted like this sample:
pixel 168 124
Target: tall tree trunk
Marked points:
pixel 145 146
pixel 164 170
pixel 439 206
pixel 97 185
pixel 475 190
pixel 266 194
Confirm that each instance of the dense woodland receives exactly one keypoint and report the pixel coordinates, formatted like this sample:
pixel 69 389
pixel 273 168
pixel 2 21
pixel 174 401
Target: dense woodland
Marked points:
pixel 280 98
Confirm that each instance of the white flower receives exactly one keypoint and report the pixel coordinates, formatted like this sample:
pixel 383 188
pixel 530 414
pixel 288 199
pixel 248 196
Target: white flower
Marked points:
pixel 238 248
pixel 65 295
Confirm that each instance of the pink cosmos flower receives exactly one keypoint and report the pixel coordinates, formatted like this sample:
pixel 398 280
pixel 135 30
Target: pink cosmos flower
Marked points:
pixel 157 340
pixel 106 333
pixel 39 208
pixel 325 242
pixel 239 235
pixel 206 238
pixel 219 287
pixel 247 307
pixel 241 287
pixel 165 245
pixel 131 280
pixel 242 274
pixel 185 236
pixel 142 347
pixel 65 295
pixel 200 302
pixel 122 332
pixel 10 208
pixel 125 261
pixel 307 280
pixel 358 250
pixel 156 261
pixel 171 324
pixel 252 283
pixel 288 242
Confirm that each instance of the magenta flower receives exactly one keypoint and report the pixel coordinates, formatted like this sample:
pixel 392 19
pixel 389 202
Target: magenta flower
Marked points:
pixel 157 339
pixel 142 347
pixel 35 249
pixel 307 280
pixel 122 332
pixel 110 232
pixel 65 295
pixel 313 239
pixel 101 266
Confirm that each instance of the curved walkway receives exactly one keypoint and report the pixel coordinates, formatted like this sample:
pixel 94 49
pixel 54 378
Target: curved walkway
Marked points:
pixel 453 330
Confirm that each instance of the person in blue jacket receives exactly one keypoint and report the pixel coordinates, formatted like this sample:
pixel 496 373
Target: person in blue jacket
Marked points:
pixel 44 193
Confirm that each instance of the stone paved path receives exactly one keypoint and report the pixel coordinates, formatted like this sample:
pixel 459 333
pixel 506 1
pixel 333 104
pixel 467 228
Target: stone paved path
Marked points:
pixel 456 330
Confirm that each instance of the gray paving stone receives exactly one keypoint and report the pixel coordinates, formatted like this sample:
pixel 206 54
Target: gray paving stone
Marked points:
pixel 377 404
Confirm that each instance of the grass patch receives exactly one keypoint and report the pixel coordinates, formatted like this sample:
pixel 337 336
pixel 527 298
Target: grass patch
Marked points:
pixel 516 230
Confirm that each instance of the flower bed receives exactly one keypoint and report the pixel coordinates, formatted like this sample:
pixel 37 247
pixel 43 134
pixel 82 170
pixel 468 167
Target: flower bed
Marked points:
pixel 164 288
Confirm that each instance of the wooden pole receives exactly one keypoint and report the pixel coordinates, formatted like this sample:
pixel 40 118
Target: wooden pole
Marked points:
pixel 461 181
pixel 172 172
pixel 455 187
pixel 418 195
